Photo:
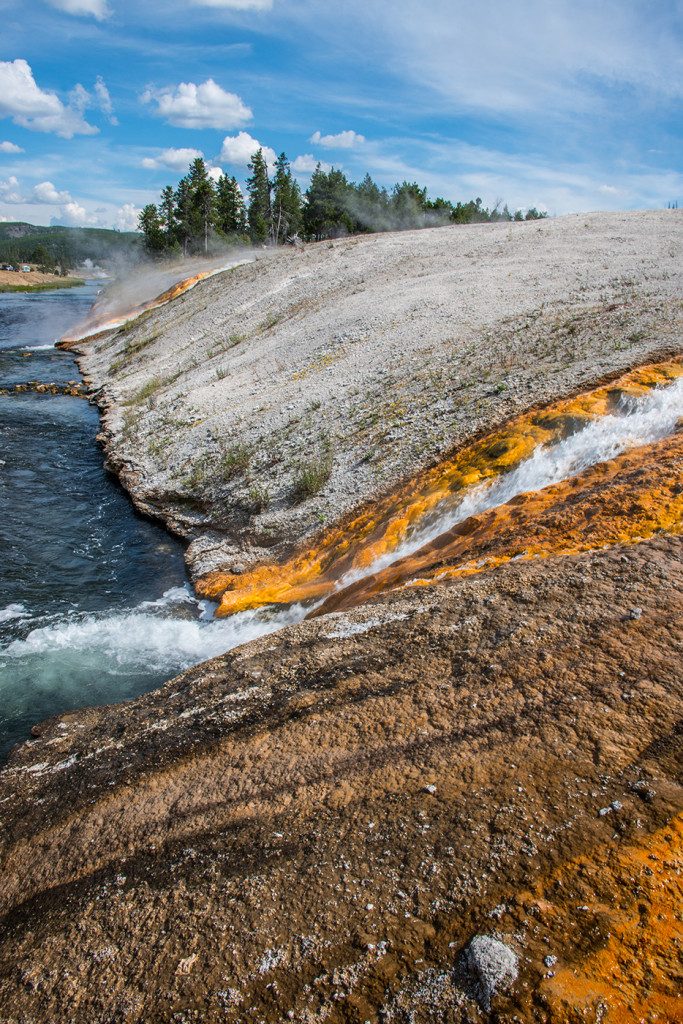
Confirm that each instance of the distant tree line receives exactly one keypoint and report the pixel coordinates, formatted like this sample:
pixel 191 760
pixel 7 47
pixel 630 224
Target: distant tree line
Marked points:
pixel 59 246
pixel 201 213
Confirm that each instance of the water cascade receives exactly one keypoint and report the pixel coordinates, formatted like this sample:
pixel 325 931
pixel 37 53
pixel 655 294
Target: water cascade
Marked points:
pixel 531 454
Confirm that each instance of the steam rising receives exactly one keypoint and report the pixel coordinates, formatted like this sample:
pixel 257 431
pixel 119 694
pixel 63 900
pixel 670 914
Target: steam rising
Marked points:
pixel 147 287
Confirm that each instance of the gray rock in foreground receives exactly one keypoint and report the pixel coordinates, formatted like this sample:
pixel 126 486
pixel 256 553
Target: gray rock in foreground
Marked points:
pixel 493 963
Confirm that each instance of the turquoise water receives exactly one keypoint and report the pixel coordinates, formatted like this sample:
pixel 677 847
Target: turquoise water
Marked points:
pixel 87 586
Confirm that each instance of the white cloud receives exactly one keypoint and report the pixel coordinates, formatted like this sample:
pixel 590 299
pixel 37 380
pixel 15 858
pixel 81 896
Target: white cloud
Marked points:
pixel 31 107
pixel 45 192
pixel 97 8
pixel 236 5
pixel 214 172
pixel 239 149
pixel 199 106
pixel 75 216
pixel 549 58
pixel 9 191
pixel 307 163
pixel 174 159
pixel 127 217
pixel 80 99
pixel 103 99
pixel 343 140
pixel 10 147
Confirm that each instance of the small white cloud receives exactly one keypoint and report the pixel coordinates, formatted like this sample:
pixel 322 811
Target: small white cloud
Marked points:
pixel 239 149
pixel 10 147
pixel 9 191
pixel 307 163
pixel 31 107
pixel 127 217
pixel 45 192
pixel 103 100
pixel 95 8
pixel 80 99
pixel 174 159
pixel 199 106
pixel 214 172
pixel 343 140
pixel 236 5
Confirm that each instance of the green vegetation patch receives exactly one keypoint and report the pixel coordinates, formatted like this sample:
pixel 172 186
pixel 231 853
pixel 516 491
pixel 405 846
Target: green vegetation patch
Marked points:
pixel 60 282
pixel 312 475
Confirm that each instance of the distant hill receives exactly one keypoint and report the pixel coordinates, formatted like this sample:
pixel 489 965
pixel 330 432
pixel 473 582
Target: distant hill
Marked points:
pixel 66 246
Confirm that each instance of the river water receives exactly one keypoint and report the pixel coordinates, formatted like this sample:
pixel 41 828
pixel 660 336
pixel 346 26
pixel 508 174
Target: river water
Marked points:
pixel 94 603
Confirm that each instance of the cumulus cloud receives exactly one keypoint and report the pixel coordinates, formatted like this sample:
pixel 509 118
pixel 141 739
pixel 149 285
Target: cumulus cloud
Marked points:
pixel 9 191
pixel 10 147
pixel 33 108
pixel 75 216
pixel 127 217
pixel 239 149
pixel 45 192
pixel 214 172
pixel 236 5
pixel 97 8
pixel 343 140
pixel 307 163
pixel 198 106
pixel 174 159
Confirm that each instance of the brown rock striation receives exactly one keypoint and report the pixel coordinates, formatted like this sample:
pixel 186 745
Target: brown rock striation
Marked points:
pixel 314 826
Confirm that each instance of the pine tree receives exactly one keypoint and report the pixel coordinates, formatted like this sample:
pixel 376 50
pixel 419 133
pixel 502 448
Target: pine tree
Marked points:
pixel 151 227
pixel 202 204
pixel 183 212
pixel 258 187
pixel 326 213
pixel 167 214
pixel 231 214
pixel 286 205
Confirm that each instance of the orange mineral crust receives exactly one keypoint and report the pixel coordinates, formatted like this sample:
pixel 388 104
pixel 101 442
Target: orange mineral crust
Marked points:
pixel 627 499
pixel 354 545
pixel 631 898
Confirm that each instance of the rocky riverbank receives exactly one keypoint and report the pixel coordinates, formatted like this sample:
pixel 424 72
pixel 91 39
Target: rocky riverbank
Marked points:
pixel 457 801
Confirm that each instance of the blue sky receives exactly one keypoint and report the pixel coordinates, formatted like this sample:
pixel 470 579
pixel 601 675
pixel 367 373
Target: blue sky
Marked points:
pixel 567 106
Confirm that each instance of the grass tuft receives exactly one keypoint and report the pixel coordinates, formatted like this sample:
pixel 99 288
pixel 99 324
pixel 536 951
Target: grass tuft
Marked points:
pixel 312 475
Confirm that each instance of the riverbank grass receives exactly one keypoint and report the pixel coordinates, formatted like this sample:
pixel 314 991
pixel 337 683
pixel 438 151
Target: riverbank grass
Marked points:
pixel 60 282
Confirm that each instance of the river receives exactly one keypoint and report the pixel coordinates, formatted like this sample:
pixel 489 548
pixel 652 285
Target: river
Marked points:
pixel 95 606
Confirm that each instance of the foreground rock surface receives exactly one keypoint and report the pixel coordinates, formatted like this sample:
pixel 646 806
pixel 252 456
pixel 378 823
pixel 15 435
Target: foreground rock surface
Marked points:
pixel 315 826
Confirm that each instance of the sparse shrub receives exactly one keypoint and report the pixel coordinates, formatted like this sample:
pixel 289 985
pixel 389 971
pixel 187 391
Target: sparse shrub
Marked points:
pixel 235 461
pixel 259 496
pixel 312 475
pixel 146 391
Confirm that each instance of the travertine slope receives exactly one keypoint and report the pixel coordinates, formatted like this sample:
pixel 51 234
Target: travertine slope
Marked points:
pixel 368 358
